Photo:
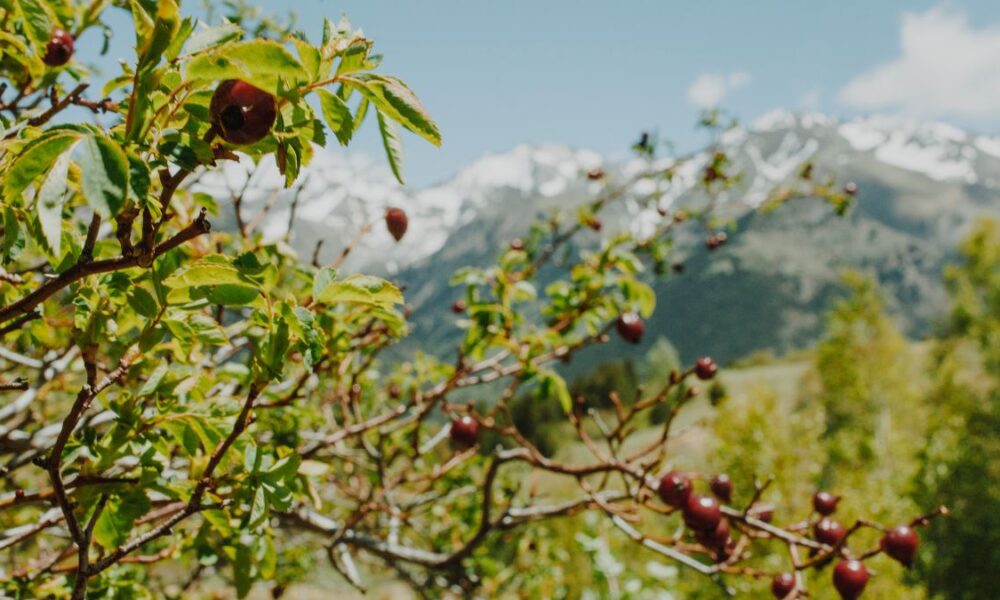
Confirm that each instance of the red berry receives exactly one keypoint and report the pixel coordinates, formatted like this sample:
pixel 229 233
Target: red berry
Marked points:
pixel 705 368
pixel 59 48
pixel 782 585
pixel 825 503
pixel 702 513
pixel 458 307
pixel 630 327
pixel 829 532
pixel 241 113
pixel 901 544
pixel 465 431
pixel 722 487
pixel 675 489
pixel 517 244
pixel 850 578
pixel 595 174
pixel 594 223
pixel 395 391
pixel 396 221
pixel 716 538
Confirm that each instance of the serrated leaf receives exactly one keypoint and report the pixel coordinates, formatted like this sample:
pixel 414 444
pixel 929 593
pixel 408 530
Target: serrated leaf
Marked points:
pixel 35 159
pixel 361 289
pixel 51 196
pixel 163 32
pixel 115 524
pixel 38 23
pixel 259 62
pixel 232 294
pixel 309 56
pixel 206 271
pixel 392 144
pixel 209 37
pixel 324 277
pixel 103 174
pixel 241 569
pixel 337 116
pixel 143 302
pixel 397 101
pixel 553 385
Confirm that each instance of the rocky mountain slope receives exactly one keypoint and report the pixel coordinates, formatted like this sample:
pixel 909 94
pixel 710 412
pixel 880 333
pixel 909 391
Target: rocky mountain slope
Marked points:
pixel 921 183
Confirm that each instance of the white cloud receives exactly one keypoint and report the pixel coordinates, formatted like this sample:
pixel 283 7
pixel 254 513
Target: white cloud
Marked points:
pixel 946 68
pixel 708 90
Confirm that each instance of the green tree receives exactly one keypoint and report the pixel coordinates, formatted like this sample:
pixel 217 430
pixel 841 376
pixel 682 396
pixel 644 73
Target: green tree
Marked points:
pixel 961 464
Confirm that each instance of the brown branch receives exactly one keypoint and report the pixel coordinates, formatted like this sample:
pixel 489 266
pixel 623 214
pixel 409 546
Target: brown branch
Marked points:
pixel 83 269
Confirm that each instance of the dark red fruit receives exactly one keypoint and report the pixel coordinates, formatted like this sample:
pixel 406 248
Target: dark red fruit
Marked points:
pixel 850 188
pixel 782 585
pixel 458 307
pixel 675 489
pixel 662 211
pixel 705 368
pixel 517 244
pixel 594 224
pixel 595 174
pixel 630 327
pixel 850 578
pixel 716 538
pixel 702 513
pixel 722 487
pixel 395 391
pixel 762 511
pixel 396 221
pixel 829 532
pixel 825 503
pixel 901 544
pixel 59 48
pixel 465 431
pixel 241 113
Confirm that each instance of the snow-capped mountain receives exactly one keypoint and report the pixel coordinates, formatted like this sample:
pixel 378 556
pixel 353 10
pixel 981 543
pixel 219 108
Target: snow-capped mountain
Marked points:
pixel 922 184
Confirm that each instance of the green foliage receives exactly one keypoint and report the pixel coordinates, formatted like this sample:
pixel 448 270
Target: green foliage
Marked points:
pixel 961 462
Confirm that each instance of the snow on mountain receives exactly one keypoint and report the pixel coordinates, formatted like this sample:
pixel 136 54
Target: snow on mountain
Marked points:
pixel 339 195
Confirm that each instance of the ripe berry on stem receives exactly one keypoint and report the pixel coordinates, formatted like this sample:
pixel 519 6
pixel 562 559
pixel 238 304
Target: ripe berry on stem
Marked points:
pixel 59 48
pixel 825 503
pixel 396 221
pixel 705 368
pixel 850 578
pixel 716 538
pixel 464 431
pixel 828 531
pixel 901 544
pixel 722 487
pixel 630 327
pixel 675 489
pixel 782 585
pixel 702 513
pixel 241 113
pixel 458 307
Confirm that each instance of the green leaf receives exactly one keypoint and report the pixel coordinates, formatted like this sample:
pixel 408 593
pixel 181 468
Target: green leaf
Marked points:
pixel 143 302
pixel 241 569
pixel 552 384
pixel 392 144
pixel 259 62
pixel 35 159
pixel 37 23
pixel 232 295
pixel 51 196
pixel 337 116
pixel 397 101
pixel 104 174
pixel 324 277
pixel 209 37
pixel 310 57
pixel 115 524
pixel 258 509
pixel 13 235
pixel 138 178
pixel 164 31
pixel 209 270
pixel 361 289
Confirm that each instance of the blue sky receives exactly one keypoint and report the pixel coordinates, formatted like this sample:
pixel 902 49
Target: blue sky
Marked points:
pixel 593 74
